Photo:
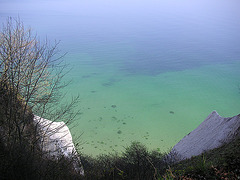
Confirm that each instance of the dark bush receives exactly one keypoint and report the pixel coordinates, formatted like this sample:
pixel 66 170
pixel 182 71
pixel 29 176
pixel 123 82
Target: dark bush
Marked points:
pixel 135 163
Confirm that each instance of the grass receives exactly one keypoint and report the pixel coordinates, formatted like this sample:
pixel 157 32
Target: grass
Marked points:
pixel 219 163
pixel 136 162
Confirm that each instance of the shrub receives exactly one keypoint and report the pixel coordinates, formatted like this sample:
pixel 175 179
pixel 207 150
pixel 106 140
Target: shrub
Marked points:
pixel 30 82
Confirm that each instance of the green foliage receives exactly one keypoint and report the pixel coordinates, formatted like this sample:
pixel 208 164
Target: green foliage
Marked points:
pixel 219 163
pixel 136 162
pixel 168 175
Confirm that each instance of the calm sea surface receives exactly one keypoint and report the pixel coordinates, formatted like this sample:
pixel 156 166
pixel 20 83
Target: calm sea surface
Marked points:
pixel 148 71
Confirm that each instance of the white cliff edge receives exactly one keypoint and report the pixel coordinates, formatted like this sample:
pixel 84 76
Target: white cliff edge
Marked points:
pixel 213 132
pixel 56 141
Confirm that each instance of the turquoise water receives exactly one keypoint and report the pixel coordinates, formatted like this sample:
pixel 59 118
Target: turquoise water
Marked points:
pixel 148 71
pixel 156 110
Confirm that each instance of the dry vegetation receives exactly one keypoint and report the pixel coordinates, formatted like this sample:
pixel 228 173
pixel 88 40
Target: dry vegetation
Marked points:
pixel 30 82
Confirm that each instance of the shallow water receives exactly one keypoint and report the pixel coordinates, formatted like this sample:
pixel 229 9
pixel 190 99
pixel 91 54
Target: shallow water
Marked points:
pixel 148 71
pixel 156 110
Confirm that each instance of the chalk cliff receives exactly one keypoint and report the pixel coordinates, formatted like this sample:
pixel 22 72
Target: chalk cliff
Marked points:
pixel 56 141
pixel 213 132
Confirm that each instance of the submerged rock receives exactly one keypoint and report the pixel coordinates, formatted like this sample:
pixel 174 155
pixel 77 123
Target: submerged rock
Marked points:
pixel 113 106
pixel 213 132
pixel 56 141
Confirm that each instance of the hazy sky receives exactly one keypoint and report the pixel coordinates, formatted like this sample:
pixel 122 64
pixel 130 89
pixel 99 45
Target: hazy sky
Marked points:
pixel 123 10
pixel 125 17
pixel 121 6
pixel 203 27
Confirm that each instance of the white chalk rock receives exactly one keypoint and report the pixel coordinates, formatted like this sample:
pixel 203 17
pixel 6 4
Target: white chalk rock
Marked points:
pixel 56 141
pixel 213 132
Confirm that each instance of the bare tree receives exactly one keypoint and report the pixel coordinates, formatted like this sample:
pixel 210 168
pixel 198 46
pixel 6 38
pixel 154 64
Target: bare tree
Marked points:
pixel 30 83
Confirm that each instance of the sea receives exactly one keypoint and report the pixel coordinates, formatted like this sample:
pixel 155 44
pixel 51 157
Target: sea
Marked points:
pixel 148 71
